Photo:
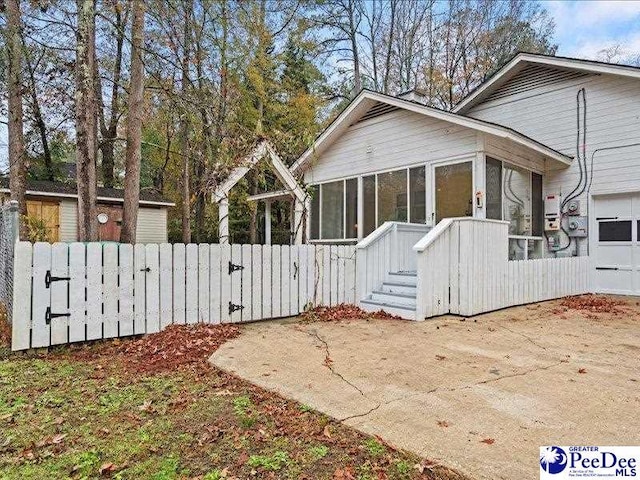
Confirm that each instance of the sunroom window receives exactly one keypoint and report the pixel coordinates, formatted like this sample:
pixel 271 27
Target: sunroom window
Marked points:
pixel 332 217
pixel 392 196
pixel 334 210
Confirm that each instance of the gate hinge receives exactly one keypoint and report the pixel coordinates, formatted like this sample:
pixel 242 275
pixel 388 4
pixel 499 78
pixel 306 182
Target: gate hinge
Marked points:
pixel 48 279
pixel 48 315
pixel 233 307
pixel 233 267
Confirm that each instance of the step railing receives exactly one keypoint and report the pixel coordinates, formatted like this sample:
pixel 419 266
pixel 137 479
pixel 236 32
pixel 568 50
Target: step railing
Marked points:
pixel 457 261
pixel 387 249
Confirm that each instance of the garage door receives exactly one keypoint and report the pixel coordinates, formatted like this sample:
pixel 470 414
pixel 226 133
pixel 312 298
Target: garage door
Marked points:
pixel 617 252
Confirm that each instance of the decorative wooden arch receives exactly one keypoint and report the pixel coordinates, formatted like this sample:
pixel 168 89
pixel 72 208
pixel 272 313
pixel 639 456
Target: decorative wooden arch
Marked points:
pixel 293 190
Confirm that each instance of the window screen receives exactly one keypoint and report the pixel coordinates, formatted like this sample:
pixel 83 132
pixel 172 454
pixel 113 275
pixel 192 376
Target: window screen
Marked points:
pixel 352 208
pixel 615 231
pixel 392 196
pixel 537 219
pixel 315 212
pixel 369 204
pixel 332 210
pixel 417 184
pixel 494 189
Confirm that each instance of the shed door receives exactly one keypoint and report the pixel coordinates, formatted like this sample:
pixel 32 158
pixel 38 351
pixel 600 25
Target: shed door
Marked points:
pixel 49 214
pixel 617 252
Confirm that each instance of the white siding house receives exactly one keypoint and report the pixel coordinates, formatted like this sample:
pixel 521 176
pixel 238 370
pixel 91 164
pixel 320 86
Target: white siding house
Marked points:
pixel 539 96
pixel 389 169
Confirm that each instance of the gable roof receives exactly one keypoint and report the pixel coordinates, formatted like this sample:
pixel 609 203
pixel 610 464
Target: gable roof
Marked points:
pixel 47 188
pixel 524 60
pixel 368 104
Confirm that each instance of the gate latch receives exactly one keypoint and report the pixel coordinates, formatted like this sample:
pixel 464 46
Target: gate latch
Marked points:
pixel 48 316
pixel 48 279
pixel 233 307
pixel 233 267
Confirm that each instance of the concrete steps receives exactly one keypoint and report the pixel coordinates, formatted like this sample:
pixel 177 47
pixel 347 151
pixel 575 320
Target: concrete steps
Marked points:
pixel 396 295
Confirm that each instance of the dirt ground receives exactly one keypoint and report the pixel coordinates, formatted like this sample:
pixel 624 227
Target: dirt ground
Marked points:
pixel 480 395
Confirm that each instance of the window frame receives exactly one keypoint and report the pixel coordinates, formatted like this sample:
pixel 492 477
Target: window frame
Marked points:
pixel 360 200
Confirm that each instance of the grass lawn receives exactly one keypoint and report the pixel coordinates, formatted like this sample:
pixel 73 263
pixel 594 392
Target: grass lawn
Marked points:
pixel 125 410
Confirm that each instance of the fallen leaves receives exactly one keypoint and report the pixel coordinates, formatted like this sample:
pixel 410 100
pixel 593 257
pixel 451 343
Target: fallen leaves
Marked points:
pixel 343 311
pixel 107 468
pixel 591 303
pixel 175 347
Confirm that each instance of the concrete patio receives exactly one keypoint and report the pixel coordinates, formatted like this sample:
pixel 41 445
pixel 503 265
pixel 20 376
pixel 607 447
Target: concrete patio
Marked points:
pixel 480 395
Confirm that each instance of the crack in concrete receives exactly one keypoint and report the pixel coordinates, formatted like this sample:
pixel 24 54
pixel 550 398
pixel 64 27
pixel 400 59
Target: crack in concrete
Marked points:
pixel 526 337
pixel 328 362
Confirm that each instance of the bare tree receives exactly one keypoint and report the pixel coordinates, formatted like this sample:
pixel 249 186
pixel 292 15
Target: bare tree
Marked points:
pixel 185 124
pixel 109 126
pixel 85 103
pixel 134 127
pixel 17 156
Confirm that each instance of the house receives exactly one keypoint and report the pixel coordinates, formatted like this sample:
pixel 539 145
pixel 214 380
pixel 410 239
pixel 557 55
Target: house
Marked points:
pixel 548 146
pixel 55 203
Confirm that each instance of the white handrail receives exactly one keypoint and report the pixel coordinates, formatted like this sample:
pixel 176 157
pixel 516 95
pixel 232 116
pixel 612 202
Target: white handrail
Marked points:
pixel 442 226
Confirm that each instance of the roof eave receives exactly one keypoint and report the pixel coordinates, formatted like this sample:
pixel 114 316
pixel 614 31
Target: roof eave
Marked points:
pixel 477 95
pixel 479 125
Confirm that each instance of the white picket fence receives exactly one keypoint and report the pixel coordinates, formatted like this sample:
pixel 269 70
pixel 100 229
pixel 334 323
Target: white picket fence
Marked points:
pixel 463 268
pixel 72 292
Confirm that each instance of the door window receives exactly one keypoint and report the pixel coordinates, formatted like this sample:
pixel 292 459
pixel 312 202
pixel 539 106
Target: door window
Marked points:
pixel 454 184
pixel 614 231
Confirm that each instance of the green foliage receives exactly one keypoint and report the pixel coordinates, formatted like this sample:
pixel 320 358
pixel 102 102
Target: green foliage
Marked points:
pixel 243 409
pixel 318 452
pixel 273 462
pixel 214 475
pixel 37 230
pixel 374 448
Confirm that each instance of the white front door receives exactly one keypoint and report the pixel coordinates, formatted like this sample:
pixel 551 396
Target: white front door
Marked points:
pixel 617 246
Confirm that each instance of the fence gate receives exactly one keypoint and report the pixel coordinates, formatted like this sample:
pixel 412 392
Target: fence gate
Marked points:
pixel 75 292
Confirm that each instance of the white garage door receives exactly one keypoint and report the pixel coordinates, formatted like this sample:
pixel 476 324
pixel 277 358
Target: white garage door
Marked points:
pixel 617 252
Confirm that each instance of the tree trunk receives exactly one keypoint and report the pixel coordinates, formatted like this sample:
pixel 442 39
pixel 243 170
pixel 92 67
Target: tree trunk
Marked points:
pixel 109 130
pixel 134 127
pixel 17 154
pixel 86 122
pixel 39 120
pixel 357 80
pixel 184 129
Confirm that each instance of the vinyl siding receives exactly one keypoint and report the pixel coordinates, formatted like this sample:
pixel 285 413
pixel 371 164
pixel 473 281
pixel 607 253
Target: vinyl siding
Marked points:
pixel 152 225
pixel 394 140
pixel 68 221
pixel 548 114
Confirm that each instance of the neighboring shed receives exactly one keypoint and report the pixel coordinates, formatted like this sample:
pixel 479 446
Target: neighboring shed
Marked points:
pixel 55 203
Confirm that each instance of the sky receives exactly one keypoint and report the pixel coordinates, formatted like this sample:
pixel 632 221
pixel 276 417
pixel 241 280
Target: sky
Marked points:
pixel 583 29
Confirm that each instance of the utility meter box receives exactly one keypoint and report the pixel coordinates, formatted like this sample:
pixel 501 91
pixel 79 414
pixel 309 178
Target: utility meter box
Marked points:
pixel 576 226
pixel 552 213
pixel 573 207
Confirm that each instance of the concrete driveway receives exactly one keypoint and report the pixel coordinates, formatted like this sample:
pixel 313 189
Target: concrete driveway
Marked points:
pixel 480 395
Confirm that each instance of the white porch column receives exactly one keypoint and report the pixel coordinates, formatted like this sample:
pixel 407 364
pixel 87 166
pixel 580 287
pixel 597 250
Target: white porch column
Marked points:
pixel 298 217
pixel 223 221
pixel 307 219
pixel 267 222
